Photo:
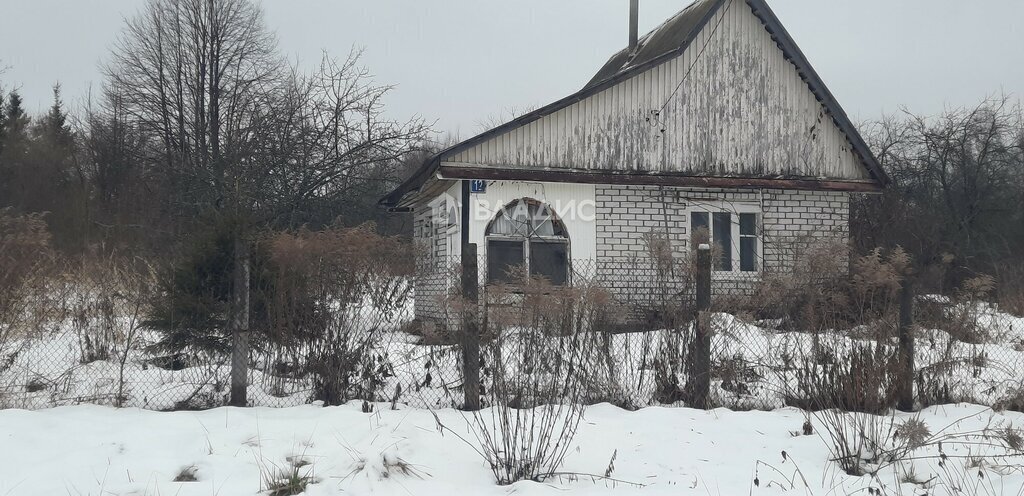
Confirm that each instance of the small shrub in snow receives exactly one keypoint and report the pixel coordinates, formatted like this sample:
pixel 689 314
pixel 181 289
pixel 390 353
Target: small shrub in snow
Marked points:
pixel 187 474
pixel 385 465
pixel 914 431
pixel 669 366
pixel 861 382
pixel 546 355
pixel 289 480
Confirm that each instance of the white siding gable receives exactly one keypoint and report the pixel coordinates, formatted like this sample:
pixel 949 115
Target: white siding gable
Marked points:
pixel 730 105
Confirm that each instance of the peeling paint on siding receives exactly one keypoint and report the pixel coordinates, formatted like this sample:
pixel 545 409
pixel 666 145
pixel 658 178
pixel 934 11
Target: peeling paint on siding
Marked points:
pixel 730 105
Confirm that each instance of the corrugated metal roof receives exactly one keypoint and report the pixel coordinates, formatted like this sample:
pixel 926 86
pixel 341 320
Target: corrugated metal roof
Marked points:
pixel 671 35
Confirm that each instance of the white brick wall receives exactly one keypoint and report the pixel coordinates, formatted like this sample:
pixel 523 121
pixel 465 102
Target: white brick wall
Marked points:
pixel 432 262
pixel 790 217
pixel 626 213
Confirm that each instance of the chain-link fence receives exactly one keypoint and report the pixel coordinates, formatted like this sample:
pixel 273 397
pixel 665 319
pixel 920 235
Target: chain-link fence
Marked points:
pixel 775 340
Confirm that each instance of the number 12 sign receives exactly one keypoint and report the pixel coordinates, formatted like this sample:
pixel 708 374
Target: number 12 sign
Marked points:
pixel 477 186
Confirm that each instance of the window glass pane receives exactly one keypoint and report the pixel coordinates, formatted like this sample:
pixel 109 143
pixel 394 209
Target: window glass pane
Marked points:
pixel 540 221
pixel 513 220
pixel 549 260
pixel 748 253
pixel 504 258
pixel 542 226
pixel 698 221
pixel 526 219
pixel 722 237
pixel 748 224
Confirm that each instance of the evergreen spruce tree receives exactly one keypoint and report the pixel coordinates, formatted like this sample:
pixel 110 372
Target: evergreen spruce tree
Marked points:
pixel 54 125
pixel 3 124
pixel 16 121
pixel 13 147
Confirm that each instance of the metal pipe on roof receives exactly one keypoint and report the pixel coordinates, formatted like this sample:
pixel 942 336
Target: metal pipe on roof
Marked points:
pixel 634 14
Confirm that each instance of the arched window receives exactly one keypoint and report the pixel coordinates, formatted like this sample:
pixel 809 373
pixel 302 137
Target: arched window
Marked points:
pixel 527 233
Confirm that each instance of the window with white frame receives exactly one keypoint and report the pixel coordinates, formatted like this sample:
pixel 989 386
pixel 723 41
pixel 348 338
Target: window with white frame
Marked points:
pixel 733 229
pixel 527 234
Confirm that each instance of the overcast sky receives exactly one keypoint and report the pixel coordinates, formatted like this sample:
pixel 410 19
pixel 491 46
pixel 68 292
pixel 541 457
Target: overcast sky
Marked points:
pixel 461 62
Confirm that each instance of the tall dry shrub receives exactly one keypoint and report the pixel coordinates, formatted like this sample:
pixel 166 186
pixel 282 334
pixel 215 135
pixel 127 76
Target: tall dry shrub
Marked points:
pixel 875 283
pixel 27 262
pixel 828 288
pixel 811 293
pixel 332 296
pixel 543 354
pixel 1010 287
pixel 961 313
pixel 93 294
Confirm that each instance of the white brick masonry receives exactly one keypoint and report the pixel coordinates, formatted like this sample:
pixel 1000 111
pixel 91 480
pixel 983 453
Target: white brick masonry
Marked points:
pixel 625 214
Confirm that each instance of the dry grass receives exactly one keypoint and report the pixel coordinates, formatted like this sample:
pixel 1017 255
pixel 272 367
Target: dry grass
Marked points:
pixel 289 479
pixel 187 474
pixel 27 263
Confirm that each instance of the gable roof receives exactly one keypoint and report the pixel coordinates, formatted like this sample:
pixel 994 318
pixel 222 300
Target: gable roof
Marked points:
pixel 664 43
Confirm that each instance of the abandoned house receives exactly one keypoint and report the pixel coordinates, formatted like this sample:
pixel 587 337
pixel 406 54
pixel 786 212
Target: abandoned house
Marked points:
pixel 715 120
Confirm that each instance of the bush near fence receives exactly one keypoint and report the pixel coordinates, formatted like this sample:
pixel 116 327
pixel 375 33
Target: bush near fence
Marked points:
pixel 346 331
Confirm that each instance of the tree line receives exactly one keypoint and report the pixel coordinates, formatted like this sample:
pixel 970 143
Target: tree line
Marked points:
pixel 200 124
pixel 200 120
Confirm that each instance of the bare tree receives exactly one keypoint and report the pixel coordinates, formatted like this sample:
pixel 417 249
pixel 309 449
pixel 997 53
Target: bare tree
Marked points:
pixel 237 136
pixel 329 142
pixel 956 197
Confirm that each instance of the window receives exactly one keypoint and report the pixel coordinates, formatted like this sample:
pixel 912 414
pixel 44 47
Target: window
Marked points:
pixel 733 232
pixel 426 244
pixel 526 234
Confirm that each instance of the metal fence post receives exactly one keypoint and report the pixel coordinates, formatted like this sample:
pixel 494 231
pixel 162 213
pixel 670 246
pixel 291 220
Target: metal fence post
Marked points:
pixel 700 376
pixel 905 380
pixel 470 328
pixel 240 326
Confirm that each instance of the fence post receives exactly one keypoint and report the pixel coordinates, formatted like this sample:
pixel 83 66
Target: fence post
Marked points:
pixel 470 330
pixel 701 351
pixel 905 381
pixel 240 325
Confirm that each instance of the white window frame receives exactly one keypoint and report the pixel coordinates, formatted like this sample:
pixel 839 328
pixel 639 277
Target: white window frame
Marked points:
pixel 528 240
pixel 735 208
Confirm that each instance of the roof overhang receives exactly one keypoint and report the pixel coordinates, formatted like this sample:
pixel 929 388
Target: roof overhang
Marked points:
pixel 459 172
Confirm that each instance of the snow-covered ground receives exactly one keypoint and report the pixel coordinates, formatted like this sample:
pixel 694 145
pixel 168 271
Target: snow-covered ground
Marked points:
pixel 48 371
pixel 97 450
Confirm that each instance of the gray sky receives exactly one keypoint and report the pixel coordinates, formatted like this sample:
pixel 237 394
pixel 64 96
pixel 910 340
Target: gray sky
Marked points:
pixel 461 62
